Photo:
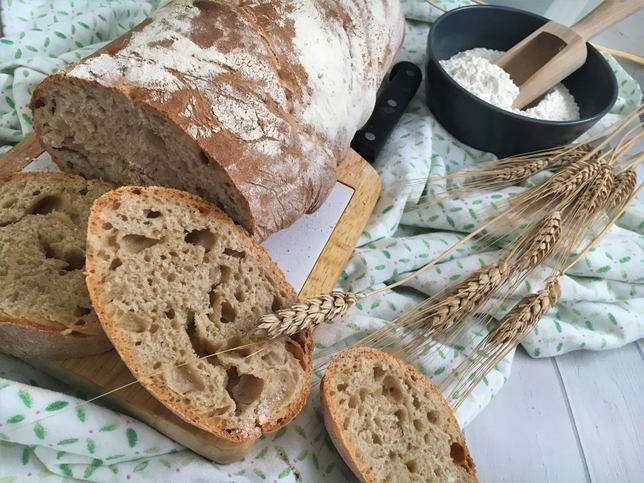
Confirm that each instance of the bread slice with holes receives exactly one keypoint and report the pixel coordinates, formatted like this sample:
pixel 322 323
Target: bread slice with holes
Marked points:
pixel 390 423
pixel 45 310
pixel 173 279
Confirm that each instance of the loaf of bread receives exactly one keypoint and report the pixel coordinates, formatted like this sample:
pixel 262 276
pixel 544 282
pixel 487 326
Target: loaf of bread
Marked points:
pixel 250 105
pixel 173 280
pixel 390 423
pixel 45 310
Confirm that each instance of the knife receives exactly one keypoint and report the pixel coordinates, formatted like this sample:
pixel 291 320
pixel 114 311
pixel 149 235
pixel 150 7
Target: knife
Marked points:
pixel 404 81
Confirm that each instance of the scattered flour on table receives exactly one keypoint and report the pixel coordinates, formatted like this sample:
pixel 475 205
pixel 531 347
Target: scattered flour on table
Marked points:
pixel 473 69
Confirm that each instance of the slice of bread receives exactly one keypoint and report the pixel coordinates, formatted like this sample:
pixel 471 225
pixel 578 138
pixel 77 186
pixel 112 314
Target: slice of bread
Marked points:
pixel 390 423
pixel 45 309
pixel 173 279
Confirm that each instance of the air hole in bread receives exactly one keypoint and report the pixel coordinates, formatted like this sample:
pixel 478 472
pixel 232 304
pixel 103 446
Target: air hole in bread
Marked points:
pixel 234 253
pixel 363 394
pixel 137 343
pixel 378 373
pixel 226 273
pixel 204 238
pixel 75 261
pixel 38 103
pixel 375 437
pixel 457 452
pixel 81 311
pixel 46 205
pixel 418 424
pixel 116 263
pixel 83 191
pixel 171 277
pixel 412 466
pixel 203 158
pixel 401 415
pixel 278 303
pixel 353 401
pixel 135 191
pixel 80 323
pixel 244 389
pixel 416 402
pixel 134 323
pixel 36 193
pixel 137 243
pixel 345 423
pixel 240 296
pixel 433 416
pixel 296 349
pixel 391 389
pixel 156 366
pixel 107 226
pixel 185 379
pixel 153 214
pixel 170 314
pixel 427 438
pixel 228 313
pixel 154 328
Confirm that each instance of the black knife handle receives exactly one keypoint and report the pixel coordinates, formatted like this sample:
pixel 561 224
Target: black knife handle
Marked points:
pixel 404 81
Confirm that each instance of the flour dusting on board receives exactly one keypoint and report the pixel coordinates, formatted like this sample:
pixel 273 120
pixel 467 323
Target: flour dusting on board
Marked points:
pixel 473 69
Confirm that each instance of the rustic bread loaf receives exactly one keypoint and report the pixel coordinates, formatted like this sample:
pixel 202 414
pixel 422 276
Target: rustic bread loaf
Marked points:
pixel 250 105
pixel 173 279
pixel 45 309
pixel 390 423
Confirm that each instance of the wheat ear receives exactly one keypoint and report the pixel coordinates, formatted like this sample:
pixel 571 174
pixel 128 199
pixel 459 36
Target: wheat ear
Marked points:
pixel 305 315
pixel 625 182
pixel 449 313
pixel 511 330
pixel 540 240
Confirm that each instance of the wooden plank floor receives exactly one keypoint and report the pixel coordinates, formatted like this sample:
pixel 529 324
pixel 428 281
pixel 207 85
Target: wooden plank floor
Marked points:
pixel 574 418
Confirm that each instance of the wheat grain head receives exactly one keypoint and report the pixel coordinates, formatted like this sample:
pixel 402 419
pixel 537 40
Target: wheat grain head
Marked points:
pixel 305 315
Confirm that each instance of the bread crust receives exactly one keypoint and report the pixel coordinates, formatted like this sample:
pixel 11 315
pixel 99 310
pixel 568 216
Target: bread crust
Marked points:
pixel 30 339
pixel 298 116
pixel 32 336
pixel 97 280
pixel 339 436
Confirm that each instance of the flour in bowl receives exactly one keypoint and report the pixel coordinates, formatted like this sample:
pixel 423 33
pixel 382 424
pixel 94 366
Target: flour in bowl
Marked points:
pixel 473 70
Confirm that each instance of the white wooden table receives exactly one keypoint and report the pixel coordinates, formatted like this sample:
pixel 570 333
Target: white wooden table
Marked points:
pixel 573 418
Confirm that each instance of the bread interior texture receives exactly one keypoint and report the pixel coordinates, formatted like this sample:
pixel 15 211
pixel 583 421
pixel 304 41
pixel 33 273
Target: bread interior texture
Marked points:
pixel 175 282
pixel 396 428
pixel 96 132
pixel 43 226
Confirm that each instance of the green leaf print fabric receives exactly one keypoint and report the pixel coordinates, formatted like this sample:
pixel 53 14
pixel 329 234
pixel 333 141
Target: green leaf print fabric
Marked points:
pixel 47 430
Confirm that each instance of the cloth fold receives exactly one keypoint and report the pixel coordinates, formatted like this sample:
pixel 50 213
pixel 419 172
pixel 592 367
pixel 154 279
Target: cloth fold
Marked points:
pixel 48 432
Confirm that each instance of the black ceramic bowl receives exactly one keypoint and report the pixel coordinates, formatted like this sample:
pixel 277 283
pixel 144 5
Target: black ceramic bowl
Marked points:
pixel 486 127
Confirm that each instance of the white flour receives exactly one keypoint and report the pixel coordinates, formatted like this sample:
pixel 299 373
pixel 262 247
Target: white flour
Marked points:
pixel 473 69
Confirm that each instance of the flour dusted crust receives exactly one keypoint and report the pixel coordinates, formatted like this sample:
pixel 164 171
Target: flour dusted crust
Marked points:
pixel 254 104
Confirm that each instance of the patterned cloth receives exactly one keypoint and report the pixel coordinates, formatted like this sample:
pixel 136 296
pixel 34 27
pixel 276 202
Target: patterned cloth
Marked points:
pixel 48 432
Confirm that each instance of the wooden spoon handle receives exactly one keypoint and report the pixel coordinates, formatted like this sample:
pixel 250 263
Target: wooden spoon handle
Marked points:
pixel 607 14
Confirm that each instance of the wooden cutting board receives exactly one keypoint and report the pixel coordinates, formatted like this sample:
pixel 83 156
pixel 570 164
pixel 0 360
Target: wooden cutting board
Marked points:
pixel 103 373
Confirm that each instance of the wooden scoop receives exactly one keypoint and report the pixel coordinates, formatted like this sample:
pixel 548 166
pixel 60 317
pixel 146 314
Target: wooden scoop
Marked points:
pixel 554 51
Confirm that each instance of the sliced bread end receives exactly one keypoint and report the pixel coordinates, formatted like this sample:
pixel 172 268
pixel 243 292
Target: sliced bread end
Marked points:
pixel 45 310
pixel 390 423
